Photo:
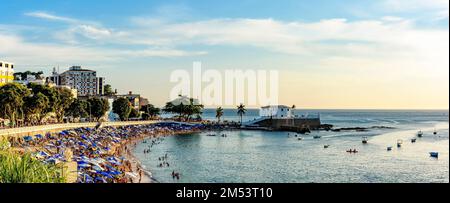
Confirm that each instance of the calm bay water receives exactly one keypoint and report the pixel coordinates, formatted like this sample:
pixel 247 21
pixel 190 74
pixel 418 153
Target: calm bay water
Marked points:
pixel 258 156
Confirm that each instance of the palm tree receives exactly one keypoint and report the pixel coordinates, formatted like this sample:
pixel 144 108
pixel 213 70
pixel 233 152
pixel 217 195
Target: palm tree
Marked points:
pixel 241 111
pixel 219 113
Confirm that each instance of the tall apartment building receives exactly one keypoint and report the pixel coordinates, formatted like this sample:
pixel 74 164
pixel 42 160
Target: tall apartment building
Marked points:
pixel 6 72
pixel 84 81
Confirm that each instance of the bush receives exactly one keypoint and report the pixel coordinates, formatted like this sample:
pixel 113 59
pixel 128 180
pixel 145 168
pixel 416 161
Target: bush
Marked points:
pixel 16 168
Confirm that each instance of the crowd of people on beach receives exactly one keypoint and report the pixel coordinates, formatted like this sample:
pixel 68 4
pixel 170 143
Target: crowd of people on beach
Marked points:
pixel 102 155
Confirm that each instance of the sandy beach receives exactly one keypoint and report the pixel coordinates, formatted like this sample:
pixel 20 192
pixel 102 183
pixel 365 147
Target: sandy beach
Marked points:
pixel 102 155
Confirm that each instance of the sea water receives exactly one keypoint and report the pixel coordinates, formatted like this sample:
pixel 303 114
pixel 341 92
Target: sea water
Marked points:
pixel 275 157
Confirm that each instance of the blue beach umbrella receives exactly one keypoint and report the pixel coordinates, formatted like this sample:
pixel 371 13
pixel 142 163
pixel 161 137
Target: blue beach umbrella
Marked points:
pixel 28 138
pixel 87 179
pixel 100 179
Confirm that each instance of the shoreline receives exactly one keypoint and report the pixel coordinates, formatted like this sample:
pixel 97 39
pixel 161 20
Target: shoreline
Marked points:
pixel 143 175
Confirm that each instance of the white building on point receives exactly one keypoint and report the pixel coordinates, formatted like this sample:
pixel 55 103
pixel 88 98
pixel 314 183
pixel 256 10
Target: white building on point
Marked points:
pixel 277 111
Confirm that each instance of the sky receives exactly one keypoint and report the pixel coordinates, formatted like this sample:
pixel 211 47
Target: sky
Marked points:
pixel 330 54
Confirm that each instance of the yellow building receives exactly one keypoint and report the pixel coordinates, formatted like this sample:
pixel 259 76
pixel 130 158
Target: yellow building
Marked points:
pixel 6 72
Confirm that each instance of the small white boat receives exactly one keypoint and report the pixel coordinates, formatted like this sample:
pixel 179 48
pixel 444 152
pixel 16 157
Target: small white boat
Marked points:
pixel 434 132
pixel 399 143
pixel 389 149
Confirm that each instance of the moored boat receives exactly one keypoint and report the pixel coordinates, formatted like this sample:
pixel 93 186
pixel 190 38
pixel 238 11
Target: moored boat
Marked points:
pixel 365 140
pixel 434 154
pixel 399 143
pixel 420 134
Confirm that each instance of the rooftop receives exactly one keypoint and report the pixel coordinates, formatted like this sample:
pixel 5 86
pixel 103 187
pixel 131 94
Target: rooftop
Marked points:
pixel 276 106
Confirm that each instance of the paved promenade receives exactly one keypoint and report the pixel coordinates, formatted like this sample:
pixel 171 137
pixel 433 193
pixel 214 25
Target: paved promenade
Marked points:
pixel 42 129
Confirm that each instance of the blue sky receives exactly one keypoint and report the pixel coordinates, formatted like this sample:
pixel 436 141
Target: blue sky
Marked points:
pixel 326 40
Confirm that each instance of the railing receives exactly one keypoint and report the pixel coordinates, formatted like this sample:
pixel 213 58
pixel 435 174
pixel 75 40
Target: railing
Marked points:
pixel 31 129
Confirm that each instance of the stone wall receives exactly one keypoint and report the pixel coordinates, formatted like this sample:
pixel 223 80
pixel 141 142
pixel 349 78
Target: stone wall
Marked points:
pixel 277 124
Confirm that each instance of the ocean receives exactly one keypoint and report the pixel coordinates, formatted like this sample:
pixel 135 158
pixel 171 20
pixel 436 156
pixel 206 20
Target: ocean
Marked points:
pixel 275 157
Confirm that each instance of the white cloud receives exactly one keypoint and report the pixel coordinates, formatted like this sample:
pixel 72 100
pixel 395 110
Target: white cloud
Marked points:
pixel 439 8
pixel 47 16
pixel 389 39
pixel 21 52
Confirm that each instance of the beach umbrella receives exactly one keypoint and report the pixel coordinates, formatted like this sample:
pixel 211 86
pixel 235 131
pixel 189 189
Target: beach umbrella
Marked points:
pixel 28 138
pixel 82 162
pixel 80 166
pixel 100 179
pixel 98 168
pixel 107 175
pixel 87 179
pixel 115 163
pixel 115 173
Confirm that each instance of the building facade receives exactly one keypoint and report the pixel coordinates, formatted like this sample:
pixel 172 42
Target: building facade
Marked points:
pixel 84 81
pixel 6 72
pixel 277 111
pixel 133 98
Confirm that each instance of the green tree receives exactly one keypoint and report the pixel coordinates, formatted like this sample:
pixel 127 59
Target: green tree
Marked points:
pixel 134 113
pixel 78 109
pixel 184 107
pixel 12 100
pixel 122 107
pixel 97 107
pixel 34 105
pixel 219 113
pixel 65 98
pixel 150 110
pixel 52 95
pixel 241 111
pixel 108 90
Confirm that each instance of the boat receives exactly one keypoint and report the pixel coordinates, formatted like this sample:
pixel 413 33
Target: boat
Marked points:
pixel 365 140
pixel 211 135
pixel 317 136
pixel 434 132
pixel 420 134
pixel 413 140
pixel 389 148
pixel 300 138
pixel 434 154
pixel 352 151
pixel 399 143
pixel 326 146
